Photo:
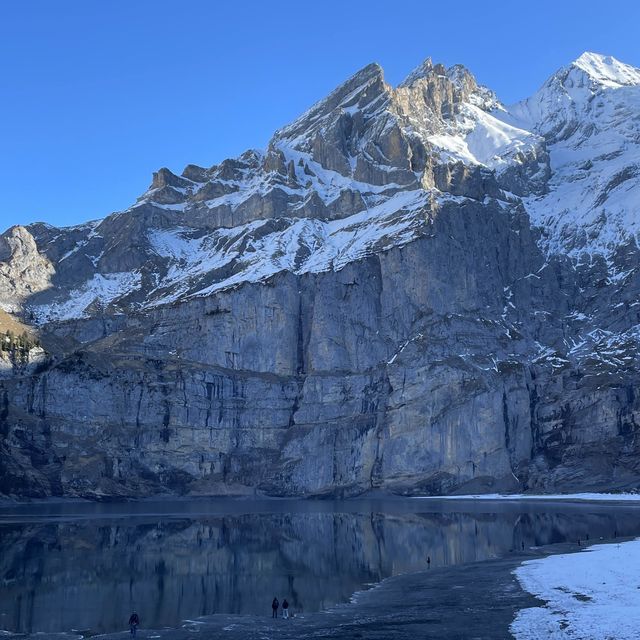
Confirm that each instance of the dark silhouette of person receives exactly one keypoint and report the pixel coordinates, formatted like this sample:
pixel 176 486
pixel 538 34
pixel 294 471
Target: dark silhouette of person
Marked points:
pixel 274 608
pixel 285 609
pixel 134 621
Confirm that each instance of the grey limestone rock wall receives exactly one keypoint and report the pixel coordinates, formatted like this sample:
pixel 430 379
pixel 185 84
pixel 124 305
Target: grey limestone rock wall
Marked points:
pixel 406 371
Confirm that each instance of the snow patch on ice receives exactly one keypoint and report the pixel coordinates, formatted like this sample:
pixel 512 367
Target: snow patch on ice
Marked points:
pixel 593 594
pixel 591 497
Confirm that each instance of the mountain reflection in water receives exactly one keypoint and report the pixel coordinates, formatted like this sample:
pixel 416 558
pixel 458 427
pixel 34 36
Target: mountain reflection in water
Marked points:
pixel 89 571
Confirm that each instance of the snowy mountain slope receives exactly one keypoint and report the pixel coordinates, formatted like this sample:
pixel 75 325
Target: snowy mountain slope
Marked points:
pixel 360 155
pixel 589 113
pixel 571 152
pixel 198 265
pixel 469 128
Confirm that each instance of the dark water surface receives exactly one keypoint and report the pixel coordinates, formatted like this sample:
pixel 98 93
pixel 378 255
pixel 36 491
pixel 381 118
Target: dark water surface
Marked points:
pixel 84 566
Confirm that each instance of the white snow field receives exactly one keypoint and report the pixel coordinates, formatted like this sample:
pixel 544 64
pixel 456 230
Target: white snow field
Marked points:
pixel 591 595
pixel 590 497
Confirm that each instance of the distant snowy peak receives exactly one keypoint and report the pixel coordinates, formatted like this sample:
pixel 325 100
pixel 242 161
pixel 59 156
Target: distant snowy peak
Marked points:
pixel 588 113
pixel 567 97
pixel 606 70
pixel 572 151
pixel 374 134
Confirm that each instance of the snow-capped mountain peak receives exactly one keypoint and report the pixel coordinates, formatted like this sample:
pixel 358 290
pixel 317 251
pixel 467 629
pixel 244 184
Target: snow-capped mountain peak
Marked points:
pixel 606 70
pixel 588 114
pixel 566 99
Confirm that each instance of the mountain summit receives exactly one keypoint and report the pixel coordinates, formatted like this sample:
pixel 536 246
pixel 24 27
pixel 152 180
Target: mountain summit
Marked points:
pixel 606 70
pixel 587 113
pixel 412 288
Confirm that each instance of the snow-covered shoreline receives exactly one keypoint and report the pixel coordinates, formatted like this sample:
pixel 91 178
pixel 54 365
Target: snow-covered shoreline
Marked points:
pixel 592 594
pixel 589 497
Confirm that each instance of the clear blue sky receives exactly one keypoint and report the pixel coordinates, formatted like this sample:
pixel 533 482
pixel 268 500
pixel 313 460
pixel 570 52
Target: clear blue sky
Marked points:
pixel 95 95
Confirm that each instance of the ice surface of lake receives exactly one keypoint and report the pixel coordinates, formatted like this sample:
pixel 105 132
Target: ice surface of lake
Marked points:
pixel 83 566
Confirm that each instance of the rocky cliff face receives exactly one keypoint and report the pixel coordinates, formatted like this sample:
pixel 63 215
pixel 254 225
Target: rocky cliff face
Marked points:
pixel 413 289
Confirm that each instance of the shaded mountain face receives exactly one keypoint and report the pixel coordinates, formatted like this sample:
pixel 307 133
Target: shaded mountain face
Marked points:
pixel 414 289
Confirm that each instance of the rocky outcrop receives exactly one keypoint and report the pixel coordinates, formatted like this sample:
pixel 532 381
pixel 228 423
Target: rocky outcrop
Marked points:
pixel 24 271
pixel 365 305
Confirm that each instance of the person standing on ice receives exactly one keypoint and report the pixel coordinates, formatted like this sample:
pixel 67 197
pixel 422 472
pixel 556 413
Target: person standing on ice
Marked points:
pixel 274 608
pixel 134 621
pixel 285 609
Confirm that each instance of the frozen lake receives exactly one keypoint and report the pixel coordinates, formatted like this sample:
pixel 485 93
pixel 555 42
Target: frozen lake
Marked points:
pixel 86 566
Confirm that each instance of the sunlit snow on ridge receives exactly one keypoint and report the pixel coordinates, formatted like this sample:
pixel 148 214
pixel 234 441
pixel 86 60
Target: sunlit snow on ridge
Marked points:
pixel 588 111
pixel 101 289
pixel 323 245
pixel 306 245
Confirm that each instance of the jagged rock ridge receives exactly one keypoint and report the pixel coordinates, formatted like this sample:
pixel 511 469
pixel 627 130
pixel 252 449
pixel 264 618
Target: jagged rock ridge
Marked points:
pixel 412 288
